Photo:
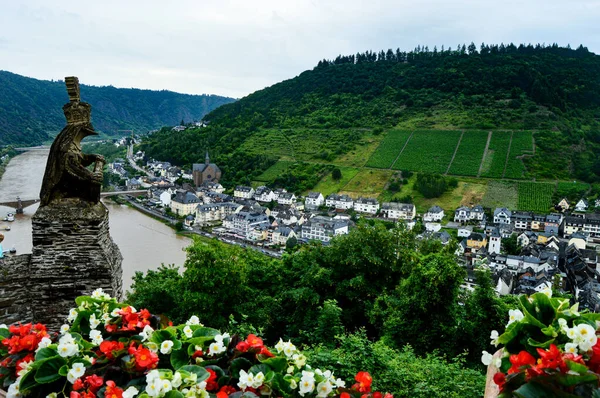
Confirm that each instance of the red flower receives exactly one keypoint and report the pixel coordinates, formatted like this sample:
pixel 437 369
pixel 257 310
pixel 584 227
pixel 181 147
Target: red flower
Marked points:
pixel 345 395
pixel 197 354
pixel 500 379
pixel 518 361
pixel 254 341
pixel 74 394
pixel 388 395
pixel 228 390
pixel 265 351
pixel 110 348
pixel 377 394
pixel 211 382
pixel 78 385
pixel 94 382
pixel 242 346
pixel 551 358
pixel 144 358
pixel 112 391
pixel 364 380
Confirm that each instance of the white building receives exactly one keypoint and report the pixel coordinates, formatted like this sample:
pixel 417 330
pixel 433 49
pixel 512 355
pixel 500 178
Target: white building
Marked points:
pixel 323 228
pixel 184 203
pixel 398 211
pixel 435 213
pixel 264 194
pixel 286 198
pixel 243 222
pixel 215 212
pixel 502 215
pixel 243 192
pixel 281 235
pixel 582 205
pixel 494 243
pixel 342 202
pixel 314 200
pixel 165 197
pixel 366 205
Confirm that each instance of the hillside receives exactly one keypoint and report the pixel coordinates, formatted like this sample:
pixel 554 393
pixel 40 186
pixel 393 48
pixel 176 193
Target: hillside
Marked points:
pixel 30 109
pixel 526 112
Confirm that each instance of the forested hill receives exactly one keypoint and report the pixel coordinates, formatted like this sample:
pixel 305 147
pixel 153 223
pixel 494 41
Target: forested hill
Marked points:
pixel 31 108
pixel 553 90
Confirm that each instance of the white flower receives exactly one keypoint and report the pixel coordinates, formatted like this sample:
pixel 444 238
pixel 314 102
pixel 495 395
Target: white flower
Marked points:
pixel 245 380
pixel 188 332
pixel 194 320
pixel 130 392
pixel 299 360
pixel 76 371
pixel 571 348
pixel 94 322
pixel 191 379
pixel 72 315
pixel 3 326
pixel 340 383
pixel 152 346
pixel 52 395
pixel 571 333
pixel 146 333
pixel 216 348
pixel 547 291
pixel 290 370
pixel 289 349
pixel 562 322
pixel 220 337
pixel 166 385
pixel 177 380
pixel 152 375
pixel 293 384
pixel 154 388
pixel 44 342
pixel 486 358
pixel 96 337
pixel 106 318
pixel 279 346
pixel 258 380
pixel 13 389
pixel 64 329
pixel 24 367
pixel 323 389
pixel 115 313
pixel 586 336
pixel 166 347
pixel 307 383
pixel 67 349
pixel 514 316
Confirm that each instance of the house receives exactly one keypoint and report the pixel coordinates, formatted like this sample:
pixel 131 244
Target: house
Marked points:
pixel 342 202
pixel 527 237
pixel 215 212
pixel 465 231
pixel 323 228
pixel 277 193
pixel 184 203
pixel 286 198
pixel 264 194
pixel 476 241
pixel 443 237
pixel 435 213
pixel 477 213
pixel 520 219
pixel 189 220
pixel 563 205
pixel 215 197
pixel 582 205
pixel 244 192
pixel 243 223
pixel 398 211
pixel 495 241
pixel 133 183
pixel 281 235
pixel 289 217
pixel 314 200
pixel 212 186
pixel 433 226
pixel 366 205
pixel 165 197
pixel 502 216
pixel 553 220
pixel 588 223
pixel 538 222
pixel 206 171
pixel 579 240
pixel 462 214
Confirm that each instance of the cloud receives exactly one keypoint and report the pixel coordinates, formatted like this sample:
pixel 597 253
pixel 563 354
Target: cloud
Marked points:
pixel 234 47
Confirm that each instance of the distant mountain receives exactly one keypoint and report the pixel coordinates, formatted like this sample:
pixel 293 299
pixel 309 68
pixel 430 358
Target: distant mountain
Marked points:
pixel 30 109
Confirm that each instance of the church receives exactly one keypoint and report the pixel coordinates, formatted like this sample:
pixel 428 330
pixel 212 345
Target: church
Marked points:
pixel 207 171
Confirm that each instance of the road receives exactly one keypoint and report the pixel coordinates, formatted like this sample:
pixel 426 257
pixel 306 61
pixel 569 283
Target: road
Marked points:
pixel 133 164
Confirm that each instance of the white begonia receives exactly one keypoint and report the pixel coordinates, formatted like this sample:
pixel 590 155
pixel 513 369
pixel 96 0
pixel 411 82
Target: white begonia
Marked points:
pixel 3 326
pixel 245 380
pixel 152 346
pixel 24 367
pixel 130 392
pixel 115 313
pixel 279 346
pixel 324 388
pixel 154 388
pixel 340 383
pixel 166 385
pixel 13 389
pixel 177 380
pixel 194 320
pixel 571 348
pixel 152 375
pixel 166 347
pixel 188 332
pixel 146 332
pixel 562 323
pixel 191 379
pixel 76 371
pixel 94 322
pixel 52 395
pixel 220 337
pixel 586 337
pixel 96 337
pixel 44 342
pixel 64 329
pixel 571 333
pixel 514 316
pixel 106 318
pixel 494 337
pixel 216 348
pixel 293 384
pixel 258 380
pixel 547 291
pixel 289 349
pixel 67 347
pixel 290 370
pixel 486 358
pixel 307 383
pixel 72 315
pixel 299 360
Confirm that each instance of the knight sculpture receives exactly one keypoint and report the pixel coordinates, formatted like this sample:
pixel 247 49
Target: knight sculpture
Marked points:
pixel 67 174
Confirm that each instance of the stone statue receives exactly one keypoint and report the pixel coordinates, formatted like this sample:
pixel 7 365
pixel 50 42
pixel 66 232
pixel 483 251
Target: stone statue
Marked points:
pixel 67 175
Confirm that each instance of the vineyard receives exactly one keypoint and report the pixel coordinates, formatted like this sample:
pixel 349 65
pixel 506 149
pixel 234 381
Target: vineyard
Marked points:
pixel 495 159
pixel 389 149
pixel 469 154
pixel 274 171
pixel 535 196
pixel 429 151
pixel 522 143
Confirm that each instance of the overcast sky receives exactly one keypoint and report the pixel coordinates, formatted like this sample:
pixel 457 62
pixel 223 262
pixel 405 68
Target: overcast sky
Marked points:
pixel 233 48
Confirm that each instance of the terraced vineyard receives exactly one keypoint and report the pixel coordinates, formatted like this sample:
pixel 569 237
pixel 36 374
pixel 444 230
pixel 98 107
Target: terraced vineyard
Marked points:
pixel 495 158
pixel 535 196
pixel 389 149
pixel 469 154
pixel 274 171
pixel 522 144
pixel 429 151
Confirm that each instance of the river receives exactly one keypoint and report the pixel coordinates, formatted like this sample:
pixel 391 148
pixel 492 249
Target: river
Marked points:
pixel 144 242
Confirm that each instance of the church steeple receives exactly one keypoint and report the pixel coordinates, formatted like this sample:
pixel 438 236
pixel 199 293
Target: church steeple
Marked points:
pixel 207 159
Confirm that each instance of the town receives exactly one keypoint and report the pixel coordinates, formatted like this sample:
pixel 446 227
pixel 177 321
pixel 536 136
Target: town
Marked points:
pixel 526 252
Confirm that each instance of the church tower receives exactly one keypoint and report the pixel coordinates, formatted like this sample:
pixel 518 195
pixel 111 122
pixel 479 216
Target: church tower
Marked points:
pixel 495 240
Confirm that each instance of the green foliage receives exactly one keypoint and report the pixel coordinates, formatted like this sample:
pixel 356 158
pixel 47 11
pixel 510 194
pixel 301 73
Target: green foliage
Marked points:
pixel 495 158
pixel 429 151
pixel 32 108
pixel 433 185
pixel 336 174
pixel 573 191
pixel 501 194
pixel 389 149
pixel 511 245
pixel 301 177
pixel 535 196
pixel 469 154
pixel 522 144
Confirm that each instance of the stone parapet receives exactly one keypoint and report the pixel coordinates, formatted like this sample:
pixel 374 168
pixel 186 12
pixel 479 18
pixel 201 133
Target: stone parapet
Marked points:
pixel 15 303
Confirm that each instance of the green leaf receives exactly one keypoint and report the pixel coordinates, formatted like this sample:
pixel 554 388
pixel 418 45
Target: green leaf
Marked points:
pixel 63 371
pixel 545 311
pixel 161 335
pixel 543 344
pixel 199 370
pixel 576 367
pixel 28 381
pixel 49 370
pixel 173 394
pixel 179 358
pixel 510 333
pixel 4 333
pixel 550 331
pixel 205 332
pixel 259 368
pixel 278 364
pixel 239 364
pixel 45 353
pixel 194 341
pixel 241 394
pixel 533 390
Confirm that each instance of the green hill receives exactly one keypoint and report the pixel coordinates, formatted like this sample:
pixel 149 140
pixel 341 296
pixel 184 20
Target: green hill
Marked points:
pixel 520 112
pixel 30 109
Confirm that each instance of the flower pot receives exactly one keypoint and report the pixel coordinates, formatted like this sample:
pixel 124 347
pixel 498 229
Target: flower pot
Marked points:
pixel 491 389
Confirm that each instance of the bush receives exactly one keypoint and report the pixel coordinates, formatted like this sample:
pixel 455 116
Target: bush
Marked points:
pixel 432 185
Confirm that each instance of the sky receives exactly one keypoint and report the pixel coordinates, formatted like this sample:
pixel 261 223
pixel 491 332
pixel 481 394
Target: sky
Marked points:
pixel 234 48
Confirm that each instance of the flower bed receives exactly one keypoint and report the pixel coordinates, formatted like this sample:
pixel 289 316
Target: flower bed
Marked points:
pixel 109 349
pixel 549 349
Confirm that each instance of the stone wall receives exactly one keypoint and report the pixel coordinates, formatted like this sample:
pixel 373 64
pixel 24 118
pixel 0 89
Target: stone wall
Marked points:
pixel 14 289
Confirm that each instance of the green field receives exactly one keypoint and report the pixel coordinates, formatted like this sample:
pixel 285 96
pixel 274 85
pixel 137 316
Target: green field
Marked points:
pixel 429 151
pixel 495 159
pixel 535 196
pixel 522 144
pixel 389 149
pixel 501 194
pixel 571 190
pixel 328 185
pixel 274 171
pixel 469 154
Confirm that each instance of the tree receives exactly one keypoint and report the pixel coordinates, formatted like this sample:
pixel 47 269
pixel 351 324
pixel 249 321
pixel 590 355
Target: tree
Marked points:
pixel 336 174
pixel 291 243
pixel 511 246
